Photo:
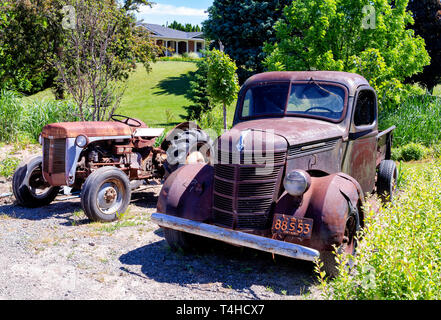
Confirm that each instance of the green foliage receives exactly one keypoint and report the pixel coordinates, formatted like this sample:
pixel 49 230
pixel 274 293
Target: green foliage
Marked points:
pixel 10 115
pixel 38 114
pixel 338 35
pixel 399 255
pixel 8 166
pixel 410 152
pixel 416 119
pixel 211 121
pixel 188 27
pixel 198 93
pixel 244 26
pixel 28 38
pixel 222 80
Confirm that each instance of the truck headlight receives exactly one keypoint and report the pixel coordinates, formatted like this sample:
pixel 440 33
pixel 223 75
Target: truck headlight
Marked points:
pixel 81 141
pixel 40 139
pixel 297 182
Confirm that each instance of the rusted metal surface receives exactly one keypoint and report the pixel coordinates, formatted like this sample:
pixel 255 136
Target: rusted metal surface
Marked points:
pixel 236 237
pixel 253 158
pixel 91 129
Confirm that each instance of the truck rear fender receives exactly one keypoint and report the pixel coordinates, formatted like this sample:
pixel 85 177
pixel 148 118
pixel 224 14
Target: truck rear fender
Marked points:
pixel 187 193
pixel 328 202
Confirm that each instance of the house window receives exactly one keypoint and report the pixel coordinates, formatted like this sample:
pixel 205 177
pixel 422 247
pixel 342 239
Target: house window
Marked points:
pixel 365 109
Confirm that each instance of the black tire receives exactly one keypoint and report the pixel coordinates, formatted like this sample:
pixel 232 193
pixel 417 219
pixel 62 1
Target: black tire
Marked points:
pixel 386 180
pixel 183 145
pixel 188 243
pixel 106 194
pixel 29 188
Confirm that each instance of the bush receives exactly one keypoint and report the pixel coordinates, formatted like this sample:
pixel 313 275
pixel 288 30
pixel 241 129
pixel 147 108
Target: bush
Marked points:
pixel 11 109
pixel 399 254
pixel 410 152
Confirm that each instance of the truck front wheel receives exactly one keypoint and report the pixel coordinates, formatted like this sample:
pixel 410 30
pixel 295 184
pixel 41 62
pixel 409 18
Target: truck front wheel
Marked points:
pixel 29 187
pixel 106 194
pixel 178 240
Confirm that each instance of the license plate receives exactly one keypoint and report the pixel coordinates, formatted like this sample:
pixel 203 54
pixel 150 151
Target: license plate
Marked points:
pixel 289 225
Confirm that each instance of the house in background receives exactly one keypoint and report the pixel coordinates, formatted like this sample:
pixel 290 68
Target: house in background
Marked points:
pixel 175 41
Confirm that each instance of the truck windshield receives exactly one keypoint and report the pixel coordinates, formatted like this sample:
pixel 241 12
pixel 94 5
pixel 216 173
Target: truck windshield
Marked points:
pixel 308 99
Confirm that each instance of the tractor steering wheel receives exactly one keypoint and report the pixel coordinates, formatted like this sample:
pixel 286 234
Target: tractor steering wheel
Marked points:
pixel 126 121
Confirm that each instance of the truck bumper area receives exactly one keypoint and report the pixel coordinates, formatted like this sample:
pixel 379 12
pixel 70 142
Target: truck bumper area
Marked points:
pixel 236 237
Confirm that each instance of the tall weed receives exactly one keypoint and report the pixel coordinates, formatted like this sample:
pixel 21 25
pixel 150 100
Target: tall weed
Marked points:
pixel 11 109
pixel 399 256
pixel 417 120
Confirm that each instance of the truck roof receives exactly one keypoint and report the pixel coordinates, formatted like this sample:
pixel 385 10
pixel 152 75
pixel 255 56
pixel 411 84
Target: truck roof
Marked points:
pixel 351 80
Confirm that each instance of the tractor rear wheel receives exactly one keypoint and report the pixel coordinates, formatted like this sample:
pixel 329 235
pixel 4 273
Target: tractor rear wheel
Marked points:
pixel 29 187
pixel 189 147
pixel 106 194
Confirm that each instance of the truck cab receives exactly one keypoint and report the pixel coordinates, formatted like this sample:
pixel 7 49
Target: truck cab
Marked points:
pixel 292 174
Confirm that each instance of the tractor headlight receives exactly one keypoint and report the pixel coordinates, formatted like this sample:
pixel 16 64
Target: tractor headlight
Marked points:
pixel 81 141
pixel 297 182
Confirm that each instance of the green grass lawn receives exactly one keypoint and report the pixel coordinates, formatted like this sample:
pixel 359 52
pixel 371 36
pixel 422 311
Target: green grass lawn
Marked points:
pixel 158 98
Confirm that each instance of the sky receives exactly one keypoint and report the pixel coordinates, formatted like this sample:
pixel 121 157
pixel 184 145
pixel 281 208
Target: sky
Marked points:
pixel 183 11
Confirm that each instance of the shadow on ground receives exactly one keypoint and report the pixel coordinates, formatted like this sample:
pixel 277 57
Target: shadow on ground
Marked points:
pixel 235 268
pixel 178 86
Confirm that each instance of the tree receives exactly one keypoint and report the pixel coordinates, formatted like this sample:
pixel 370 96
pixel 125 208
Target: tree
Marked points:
pixel 243 26
pixel 349 35
pixel 99 53
pixel 222 80
pixel 188 27
pixel 427 16
pixel 198 93
pixel 29 36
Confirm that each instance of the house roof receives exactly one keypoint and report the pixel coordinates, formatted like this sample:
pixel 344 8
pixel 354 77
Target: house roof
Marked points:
pixel 164 32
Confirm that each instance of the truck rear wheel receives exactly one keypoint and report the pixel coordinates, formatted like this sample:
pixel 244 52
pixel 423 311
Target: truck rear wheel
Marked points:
pixel 29 187
pixel 106 194
pixel 191 146
pixel 386 180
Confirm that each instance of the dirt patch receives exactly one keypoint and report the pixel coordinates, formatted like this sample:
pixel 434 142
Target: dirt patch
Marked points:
pixel 57 253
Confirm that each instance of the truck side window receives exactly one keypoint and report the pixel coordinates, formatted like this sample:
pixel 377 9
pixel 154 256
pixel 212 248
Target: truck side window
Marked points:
pixel 365 110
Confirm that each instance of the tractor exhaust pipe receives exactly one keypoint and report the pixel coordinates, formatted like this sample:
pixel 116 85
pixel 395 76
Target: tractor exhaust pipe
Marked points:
pixel 236 237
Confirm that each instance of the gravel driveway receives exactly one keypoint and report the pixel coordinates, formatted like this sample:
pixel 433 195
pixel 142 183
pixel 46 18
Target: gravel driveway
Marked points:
pixel 57 253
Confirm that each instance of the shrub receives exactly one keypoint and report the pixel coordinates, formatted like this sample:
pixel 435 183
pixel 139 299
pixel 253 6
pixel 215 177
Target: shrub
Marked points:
pixel 198 92
pixel 410 152
pixel 11 109
pixel 399 254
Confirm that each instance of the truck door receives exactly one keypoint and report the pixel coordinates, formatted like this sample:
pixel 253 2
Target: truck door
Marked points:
pixel 360 159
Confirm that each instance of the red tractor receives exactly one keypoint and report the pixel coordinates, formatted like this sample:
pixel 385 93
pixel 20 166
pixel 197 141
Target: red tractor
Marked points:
pixel 105 160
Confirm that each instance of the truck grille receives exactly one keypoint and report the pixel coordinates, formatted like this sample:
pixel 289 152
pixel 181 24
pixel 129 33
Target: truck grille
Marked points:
pixel 244 194
pixel 54 155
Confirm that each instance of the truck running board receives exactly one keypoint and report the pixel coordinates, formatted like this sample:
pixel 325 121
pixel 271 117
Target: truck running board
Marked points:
pixel 236 237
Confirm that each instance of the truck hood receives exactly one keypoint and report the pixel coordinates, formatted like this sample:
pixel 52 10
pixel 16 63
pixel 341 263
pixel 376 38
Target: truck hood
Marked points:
pixel 296 131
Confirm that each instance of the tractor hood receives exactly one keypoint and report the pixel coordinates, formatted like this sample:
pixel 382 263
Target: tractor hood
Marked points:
pixel 296 131
pixel 65 130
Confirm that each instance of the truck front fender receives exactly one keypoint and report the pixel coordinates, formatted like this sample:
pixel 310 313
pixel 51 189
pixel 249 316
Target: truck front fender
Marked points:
pixel 187 193
pixel 328 202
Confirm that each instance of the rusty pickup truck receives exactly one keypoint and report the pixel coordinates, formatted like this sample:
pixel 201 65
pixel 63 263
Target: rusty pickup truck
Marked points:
pixel 291 176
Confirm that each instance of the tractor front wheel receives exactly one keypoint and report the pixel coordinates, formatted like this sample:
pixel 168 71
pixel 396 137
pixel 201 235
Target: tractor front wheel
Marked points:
pixel 106 194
